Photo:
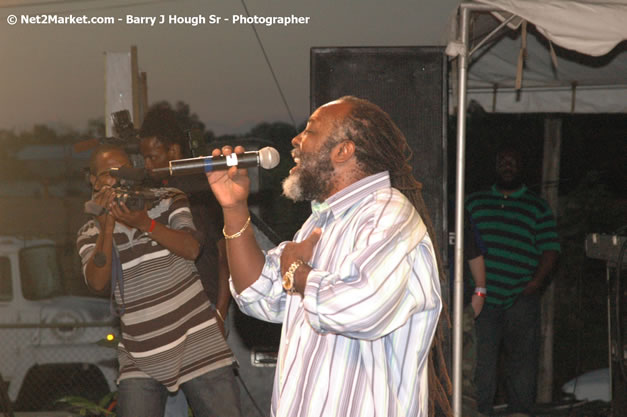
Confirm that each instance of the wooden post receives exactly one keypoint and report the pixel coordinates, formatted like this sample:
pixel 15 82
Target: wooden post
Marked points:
pixel 550 182
pixel 144 95
pixel 137 116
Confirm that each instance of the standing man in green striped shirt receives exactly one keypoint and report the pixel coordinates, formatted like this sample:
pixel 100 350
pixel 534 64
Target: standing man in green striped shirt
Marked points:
pixel 518 229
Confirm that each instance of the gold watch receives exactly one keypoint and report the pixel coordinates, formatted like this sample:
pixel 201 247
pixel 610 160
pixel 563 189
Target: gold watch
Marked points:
pixel 288 278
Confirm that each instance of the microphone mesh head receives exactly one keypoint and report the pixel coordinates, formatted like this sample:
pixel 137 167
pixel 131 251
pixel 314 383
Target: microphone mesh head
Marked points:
pixel 268 157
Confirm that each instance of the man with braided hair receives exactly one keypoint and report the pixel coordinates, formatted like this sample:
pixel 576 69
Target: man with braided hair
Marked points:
pixel 358 289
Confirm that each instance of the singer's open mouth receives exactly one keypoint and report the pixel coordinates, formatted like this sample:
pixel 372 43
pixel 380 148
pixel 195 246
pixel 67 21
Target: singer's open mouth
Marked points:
pixel 296 158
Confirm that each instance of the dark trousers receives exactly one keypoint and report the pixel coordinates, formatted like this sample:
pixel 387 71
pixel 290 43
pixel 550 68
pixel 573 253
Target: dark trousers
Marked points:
pixel 518 328
pixel 214 394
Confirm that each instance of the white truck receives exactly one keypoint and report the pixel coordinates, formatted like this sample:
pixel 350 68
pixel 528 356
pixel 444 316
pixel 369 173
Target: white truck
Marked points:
pixel 51 345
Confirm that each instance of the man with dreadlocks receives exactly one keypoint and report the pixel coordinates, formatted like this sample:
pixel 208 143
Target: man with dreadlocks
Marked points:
pixel 358 289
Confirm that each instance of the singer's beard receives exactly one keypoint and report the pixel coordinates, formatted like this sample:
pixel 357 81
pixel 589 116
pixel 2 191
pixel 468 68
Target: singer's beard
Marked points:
pixel 312 178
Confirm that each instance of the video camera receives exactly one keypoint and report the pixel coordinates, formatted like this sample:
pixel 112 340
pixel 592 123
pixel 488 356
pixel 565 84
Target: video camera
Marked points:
pixel 129 189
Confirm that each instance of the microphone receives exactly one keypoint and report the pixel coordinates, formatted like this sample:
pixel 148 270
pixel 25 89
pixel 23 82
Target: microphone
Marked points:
pixel 266 158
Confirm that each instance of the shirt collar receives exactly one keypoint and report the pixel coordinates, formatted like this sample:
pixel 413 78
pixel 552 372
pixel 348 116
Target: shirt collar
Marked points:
pixel 347 197
pixel 515 194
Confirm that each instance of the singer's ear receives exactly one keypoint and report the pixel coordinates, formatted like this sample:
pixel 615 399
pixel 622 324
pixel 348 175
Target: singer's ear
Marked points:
pixel 174 151
pixel 343 151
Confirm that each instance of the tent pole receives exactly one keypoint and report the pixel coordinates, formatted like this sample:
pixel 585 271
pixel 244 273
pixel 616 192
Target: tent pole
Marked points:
pixel 550 183
pixel 458 282
pixel 491 34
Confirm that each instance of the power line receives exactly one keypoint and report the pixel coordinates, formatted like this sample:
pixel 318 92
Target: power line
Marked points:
pixel 276 81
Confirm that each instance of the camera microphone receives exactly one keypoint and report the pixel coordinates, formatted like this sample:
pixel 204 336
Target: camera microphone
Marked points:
pixel 266 158
pixel 128 173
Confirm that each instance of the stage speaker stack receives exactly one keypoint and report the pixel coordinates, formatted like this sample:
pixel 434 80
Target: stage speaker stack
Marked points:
pixel 410 84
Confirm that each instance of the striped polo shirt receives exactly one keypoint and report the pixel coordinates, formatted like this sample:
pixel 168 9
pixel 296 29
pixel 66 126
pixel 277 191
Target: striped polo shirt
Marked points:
pixel 169 330
pixel 516 229
pixel 356 344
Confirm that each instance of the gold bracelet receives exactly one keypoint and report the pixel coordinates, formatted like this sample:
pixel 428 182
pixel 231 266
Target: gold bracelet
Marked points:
pixel 288 278
pixel 238 234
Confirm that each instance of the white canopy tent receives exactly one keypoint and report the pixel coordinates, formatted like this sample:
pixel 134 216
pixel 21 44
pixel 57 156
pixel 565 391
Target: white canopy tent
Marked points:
pixel 571 60
pixel 527 75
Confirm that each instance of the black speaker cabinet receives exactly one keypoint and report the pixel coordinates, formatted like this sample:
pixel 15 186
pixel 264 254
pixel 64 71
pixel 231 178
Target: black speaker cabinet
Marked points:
pixel 409 83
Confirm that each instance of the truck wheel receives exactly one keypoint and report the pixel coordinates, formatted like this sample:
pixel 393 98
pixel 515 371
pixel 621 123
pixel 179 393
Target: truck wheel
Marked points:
pixel 44 385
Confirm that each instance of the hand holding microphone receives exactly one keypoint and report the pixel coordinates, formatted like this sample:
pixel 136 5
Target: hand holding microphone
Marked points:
pixel 231 187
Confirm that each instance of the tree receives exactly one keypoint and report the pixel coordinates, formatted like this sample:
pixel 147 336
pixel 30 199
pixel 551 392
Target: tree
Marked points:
pixel 96 128
pixel 279 133
pixel 187 120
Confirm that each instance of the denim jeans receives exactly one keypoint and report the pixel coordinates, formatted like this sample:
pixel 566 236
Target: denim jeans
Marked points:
pixel 214 394
pixel 518 328
pixel 176 405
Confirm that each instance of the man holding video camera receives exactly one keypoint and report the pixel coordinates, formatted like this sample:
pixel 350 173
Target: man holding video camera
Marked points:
pixel 170 335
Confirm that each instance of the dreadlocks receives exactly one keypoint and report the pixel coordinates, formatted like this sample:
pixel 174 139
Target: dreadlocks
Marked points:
pixel 161 122
pixel 381 146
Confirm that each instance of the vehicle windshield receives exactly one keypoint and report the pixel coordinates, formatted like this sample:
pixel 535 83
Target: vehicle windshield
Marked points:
pixel 41 277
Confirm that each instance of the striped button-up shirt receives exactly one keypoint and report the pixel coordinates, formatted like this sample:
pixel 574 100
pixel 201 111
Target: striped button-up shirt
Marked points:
pixel 357 343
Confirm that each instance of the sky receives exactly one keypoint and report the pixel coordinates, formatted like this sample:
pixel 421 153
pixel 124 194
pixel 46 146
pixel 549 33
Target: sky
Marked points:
pixel 54 74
